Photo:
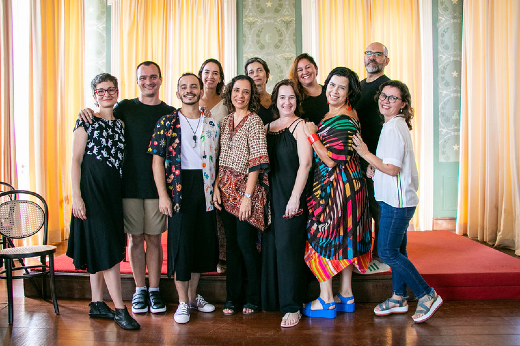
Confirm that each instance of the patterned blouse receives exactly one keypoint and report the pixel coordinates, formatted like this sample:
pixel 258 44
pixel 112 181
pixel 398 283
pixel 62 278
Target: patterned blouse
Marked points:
pixel 166 143
pixel 106 141
pixel 243 149
pixel 339 226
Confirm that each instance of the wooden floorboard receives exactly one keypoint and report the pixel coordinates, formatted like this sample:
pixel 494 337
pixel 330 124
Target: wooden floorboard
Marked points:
pixel 490 322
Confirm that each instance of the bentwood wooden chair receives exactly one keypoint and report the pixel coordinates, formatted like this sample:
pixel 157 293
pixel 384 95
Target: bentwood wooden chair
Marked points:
pixel 23 215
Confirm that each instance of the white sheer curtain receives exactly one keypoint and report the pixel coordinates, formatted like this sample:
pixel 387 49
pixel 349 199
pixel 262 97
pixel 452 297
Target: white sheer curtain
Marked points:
pixel 489 181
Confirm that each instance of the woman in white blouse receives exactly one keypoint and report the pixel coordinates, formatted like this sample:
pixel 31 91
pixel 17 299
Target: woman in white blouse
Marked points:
pixel 396 182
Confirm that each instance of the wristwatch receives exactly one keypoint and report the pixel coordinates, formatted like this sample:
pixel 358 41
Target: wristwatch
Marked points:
pixel 247 195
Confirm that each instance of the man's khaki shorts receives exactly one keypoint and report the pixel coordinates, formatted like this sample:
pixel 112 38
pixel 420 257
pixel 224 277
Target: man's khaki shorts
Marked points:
pixel 142 216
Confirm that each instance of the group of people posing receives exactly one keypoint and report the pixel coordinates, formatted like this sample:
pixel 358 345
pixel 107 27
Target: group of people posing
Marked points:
pixel 282 183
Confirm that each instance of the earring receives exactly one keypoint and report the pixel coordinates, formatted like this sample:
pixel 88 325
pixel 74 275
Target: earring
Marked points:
pixel 96 103
pixel 401 111
pixel 349 107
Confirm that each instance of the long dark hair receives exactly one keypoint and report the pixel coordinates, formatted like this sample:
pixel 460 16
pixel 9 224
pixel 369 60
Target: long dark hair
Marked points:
pixel 274 98
pixel 220 85
pixel 354 88
pixel 407 112
pixel 254 101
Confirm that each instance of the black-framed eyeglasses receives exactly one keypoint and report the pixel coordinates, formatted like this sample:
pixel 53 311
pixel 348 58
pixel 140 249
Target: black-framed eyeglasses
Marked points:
pixel 376 54
pixel 101 91
pixel 391 98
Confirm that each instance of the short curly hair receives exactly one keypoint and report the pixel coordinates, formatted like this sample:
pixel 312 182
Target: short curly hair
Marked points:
pixel 100 78
pixel 407 112
pixel 354 88
pixel 254 101
pixel 220 84
pixel 274 98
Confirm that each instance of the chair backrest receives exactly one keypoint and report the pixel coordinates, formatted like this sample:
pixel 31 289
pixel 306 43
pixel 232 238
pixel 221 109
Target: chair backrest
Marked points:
pixel 24 214
pixel 5 187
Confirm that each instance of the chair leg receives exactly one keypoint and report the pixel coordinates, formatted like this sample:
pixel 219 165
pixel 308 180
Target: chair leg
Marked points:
pixel 43 260
pixel 9 275
pixel 53 286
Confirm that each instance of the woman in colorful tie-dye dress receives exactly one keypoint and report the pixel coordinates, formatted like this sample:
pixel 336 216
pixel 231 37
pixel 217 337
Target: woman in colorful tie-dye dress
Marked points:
pixel 339 229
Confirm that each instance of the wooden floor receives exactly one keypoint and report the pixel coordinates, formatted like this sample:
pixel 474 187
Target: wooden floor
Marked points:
pixel 456 323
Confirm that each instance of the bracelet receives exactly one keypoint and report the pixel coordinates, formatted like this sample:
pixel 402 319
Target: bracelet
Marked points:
pixel 313 138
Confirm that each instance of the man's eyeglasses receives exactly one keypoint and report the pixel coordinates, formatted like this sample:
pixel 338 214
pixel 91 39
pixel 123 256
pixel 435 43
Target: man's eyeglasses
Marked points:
pixel 390 98
pixel 376 54
pixel 101 91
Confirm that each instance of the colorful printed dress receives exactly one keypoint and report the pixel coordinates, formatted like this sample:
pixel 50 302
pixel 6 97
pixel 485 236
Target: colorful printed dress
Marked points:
pixel 339 231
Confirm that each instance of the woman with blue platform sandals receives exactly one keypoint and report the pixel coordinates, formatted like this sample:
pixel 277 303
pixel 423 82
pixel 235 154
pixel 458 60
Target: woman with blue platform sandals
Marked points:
pixel 395 184
pixel 339 229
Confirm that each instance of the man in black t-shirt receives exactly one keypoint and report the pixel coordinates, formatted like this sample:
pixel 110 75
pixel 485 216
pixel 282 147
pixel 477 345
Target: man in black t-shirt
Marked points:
pixel 142 218
pixel 376 59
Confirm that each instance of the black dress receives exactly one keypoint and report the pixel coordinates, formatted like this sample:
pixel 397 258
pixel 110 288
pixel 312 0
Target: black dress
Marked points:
pixel 283 243
pixel 98 243
pixel 315 107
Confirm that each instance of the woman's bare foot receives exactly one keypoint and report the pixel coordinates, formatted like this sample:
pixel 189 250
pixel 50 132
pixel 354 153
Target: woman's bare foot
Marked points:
pixel 291 319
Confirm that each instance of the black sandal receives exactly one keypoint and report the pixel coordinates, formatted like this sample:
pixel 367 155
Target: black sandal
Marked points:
pixel 250 306
pixel 229 305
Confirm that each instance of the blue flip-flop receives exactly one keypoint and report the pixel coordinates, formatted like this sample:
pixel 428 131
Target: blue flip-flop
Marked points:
pixel 324 312
pixel 344 306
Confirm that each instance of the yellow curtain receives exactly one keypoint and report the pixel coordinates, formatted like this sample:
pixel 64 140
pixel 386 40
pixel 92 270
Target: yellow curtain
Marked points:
pixel 347 27
pixel 489 171
pixel 7 151
pixel 178 35
pixel 55 96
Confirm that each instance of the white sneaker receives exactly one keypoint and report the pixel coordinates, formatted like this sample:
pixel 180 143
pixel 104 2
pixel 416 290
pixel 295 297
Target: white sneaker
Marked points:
pixel 182 315
pixel 374 267
pixel 200 304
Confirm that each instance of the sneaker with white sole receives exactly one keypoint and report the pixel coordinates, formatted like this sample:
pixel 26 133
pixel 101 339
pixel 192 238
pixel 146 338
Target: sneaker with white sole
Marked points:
pixel 200 304
pixel 156 302
pixel 374 267
pixel 182 315
pixel 140 302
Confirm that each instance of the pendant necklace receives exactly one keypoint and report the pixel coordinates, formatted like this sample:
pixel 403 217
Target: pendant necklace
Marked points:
pixel 194 132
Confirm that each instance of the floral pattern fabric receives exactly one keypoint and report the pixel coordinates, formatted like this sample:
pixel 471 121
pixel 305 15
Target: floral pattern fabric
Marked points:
pixel 106 141
pixel 166 143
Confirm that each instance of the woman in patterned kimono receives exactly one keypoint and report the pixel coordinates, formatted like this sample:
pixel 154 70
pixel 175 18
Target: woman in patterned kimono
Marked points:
pixel 338 230
pixel 241 192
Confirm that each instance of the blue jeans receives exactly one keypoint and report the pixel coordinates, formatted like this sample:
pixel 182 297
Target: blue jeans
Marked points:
pixel 391 245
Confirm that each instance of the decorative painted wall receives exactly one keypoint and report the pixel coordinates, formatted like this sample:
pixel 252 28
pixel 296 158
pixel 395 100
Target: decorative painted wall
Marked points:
pixel 447 49
pixel 269 32
pixel 449 28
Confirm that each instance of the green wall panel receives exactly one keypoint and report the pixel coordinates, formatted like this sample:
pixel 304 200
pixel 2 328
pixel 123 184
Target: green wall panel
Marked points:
pixel 271 30
pixel 447 57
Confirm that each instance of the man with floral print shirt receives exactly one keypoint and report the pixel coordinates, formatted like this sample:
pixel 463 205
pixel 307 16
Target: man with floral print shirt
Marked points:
pixel 184 148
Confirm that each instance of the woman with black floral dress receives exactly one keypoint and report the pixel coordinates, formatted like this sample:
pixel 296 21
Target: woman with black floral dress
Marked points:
pixel 97 239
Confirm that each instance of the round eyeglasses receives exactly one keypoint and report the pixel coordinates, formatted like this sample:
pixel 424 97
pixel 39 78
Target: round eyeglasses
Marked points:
pixel 391 98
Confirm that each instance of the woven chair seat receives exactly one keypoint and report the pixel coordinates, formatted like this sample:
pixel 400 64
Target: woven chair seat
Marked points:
pixel 26 250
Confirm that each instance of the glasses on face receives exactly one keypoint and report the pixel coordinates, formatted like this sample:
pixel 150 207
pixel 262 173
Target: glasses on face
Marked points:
pixel 391 98
pixel 376 54
pixel 101 91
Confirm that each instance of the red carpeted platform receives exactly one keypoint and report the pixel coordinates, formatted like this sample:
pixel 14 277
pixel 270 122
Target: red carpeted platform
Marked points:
pixel 457 267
